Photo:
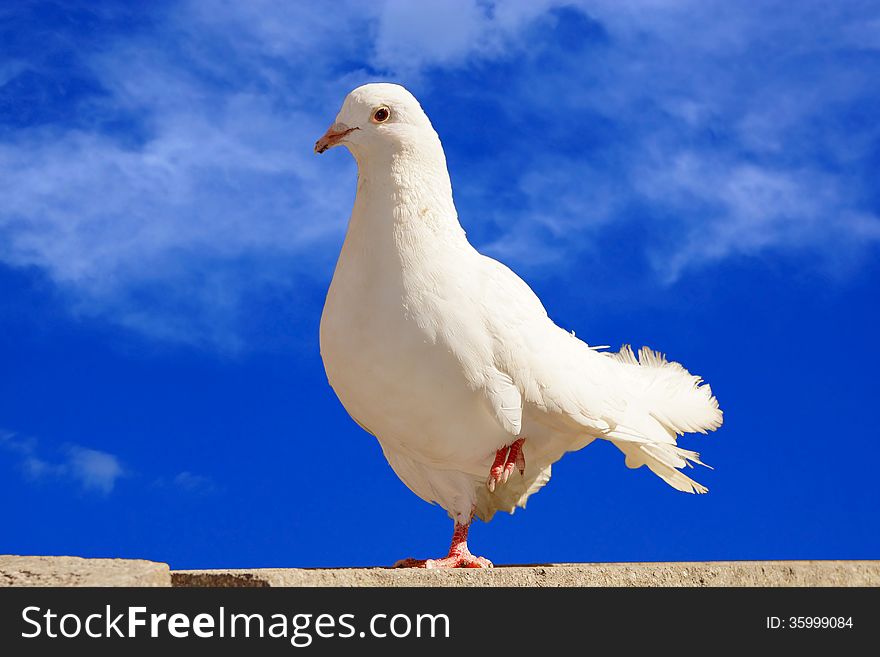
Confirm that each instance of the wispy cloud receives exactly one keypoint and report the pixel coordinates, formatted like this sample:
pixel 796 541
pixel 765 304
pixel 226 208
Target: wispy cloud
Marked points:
pixel 189 483
pixel 412 38
pixel 178 181
pixel 145 225
pixel 724 130
pixel 194 483
pixel 149 232
pixel 91 469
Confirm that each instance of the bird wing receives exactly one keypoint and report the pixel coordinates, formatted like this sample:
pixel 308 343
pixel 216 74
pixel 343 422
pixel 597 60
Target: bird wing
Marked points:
pixel 640 405
pixel 549 367
pixel 506 400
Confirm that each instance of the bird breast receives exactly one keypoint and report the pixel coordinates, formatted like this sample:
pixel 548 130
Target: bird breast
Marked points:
pixel 393 332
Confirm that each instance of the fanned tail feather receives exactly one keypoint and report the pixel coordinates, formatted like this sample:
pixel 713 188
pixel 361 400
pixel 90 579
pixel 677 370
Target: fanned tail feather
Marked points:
pixel 663 460
pixel 674 402
pixel 677 399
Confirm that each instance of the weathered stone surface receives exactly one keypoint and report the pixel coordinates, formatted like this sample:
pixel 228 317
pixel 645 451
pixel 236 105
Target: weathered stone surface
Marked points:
pixel 713 573
pixel 74 571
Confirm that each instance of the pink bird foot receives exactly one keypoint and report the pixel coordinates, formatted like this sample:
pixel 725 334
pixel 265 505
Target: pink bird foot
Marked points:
pixel 459 555
pixel 506 459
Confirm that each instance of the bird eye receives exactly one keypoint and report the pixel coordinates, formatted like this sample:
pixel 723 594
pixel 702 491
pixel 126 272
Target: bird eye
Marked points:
pixel 381 115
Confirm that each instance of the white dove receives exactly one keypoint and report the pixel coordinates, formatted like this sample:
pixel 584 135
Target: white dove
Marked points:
pixel 449 359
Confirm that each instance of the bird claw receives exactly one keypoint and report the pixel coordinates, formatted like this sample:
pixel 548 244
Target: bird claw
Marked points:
pixel 462 560
pixel 458 561
pixel 506 459
pixel 459 555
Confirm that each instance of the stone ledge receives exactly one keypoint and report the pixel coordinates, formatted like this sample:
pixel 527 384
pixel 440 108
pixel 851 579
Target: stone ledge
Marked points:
pixel 75 571
pixel 712 573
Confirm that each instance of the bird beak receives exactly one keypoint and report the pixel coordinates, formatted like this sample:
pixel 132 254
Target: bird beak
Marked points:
pixel 335 134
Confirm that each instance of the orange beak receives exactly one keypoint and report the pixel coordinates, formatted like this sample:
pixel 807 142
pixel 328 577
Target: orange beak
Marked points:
pixel 335 134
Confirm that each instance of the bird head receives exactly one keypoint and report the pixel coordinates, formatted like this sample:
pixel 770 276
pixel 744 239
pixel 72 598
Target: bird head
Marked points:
pixel 377 117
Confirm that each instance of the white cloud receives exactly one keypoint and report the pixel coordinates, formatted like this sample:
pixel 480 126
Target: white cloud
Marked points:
pixel 194 483
pixel 413 35
pixel 146 234
pixel 91 469
pixel 726 135
pixel 187 482
pixel 746 208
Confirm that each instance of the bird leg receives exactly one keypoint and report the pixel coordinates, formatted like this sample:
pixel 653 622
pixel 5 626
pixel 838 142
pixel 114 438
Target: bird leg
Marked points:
pixel 459 555
pixel 506 459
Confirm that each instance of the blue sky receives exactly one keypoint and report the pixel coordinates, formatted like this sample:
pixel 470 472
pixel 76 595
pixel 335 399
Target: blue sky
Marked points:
pixel 697 176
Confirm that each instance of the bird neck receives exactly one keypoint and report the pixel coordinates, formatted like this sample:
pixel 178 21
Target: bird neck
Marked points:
pixel 407 188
